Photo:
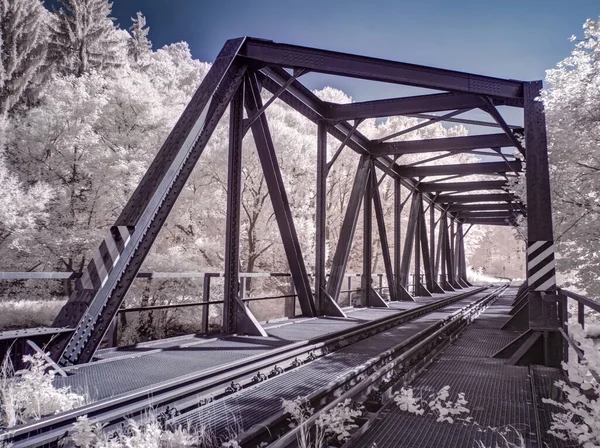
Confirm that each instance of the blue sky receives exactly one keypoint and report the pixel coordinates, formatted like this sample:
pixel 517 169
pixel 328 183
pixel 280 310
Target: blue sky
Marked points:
pixel 516 39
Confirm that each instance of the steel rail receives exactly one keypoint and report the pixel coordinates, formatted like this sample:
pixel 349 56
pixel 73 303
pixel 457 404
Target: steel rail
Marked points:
pixel 212 382
pixel 362 380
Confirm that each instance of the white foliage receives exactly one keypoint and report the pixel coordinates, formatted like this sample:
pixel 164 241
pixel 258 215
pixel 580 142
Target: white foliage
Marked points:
pixel 571 102
pixel 334 424
pixel 447 410
pixel 579 419
pixel 149 434
pixel 407 402
pixel 84 38
pixel 21 208
pixel 139 44
pixel 439 404
pixel 24 34
pixel 30 394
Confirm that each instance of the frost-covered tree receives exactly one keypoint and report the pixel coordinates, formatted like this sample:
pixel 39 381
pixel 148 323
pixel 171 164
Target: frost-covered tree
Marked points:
pixel 572 102
pixel 139 44
pixel 21 208
pixel 84 37
pixel 23 32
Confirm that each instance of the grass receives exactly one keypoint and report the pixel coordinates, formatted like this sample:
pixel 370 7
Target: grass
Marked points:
pixel 19 314
pixel 30 394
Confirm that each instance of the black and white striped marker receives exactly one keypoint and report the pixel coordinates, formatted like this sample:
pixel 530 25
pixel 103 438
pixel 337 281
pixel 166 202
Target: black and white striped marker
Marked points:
pixel 105 257
pixel 541 272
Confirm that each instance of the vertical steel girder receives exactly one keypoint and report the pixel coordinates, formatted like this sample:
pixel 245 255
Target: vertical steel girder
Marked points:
pixel 401 292
pixel 237 318
pixel 385 248
pixel 366 279
pixel 422 254
pixel 342 251
pixel 91 308
pixel 409 240
pixel 541 343
pixel 448 237
pixel 325 304
pixel 429 251
pixel 446 265
pixel 281 206
pixel 320 210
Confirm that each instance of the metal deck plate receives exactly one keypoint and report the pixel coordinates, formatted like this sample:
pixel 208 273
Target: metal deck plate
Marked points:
pixel 253 405
pixel 498 395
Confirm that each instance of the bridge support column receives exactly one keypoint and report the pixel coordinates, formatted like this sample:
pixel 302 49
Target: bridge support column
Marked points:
pixel 324 303
pixel 370 297
pixel 277 193
pixel 421 254
pixel 541 343
pixel 385 248
pixel 401 291
pixel 342 250
pixel 237 318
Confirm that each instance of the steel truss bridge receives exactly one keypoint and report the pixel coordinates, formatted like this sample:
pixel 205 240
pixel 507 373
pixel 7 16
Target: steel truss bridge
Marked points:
pixel 500 345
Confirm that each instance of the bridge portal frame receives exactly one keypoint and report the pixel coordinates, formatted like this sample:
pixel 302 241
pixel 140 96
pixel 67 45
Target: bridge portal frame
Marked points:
pixel 245 68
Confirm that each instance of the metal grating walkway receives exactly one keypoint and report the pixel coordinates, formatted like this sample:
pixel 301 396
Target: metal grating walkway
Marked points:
pixel 499 395
pixel 254 404
pixel 132 368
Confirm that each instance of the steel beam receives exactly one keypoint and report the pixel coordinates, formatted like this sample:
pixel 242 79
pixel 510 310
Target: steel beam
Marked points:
pixel 342 251
pixel 489 222
pixel 500 206
pixel 385 248
pixel 463 121
pixel 308 104
pixel 403 106
pixel 401 292
pixel 409 240
pixel 281 206
pixel 324 302
pixel 421 125
pixel 335 63
pixel 237 317
pixel 436 187
pixel 92 307
pixel 544 316
pixel 464 169
pixel 484 215
pixel 367 256
pixel 465 198
pixel 442 144
pixel 426 255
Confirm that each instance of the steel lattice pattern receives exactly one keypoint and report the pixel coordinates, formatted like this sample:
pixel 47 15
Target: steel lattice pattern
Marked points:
pixel 253 405
pixel 498 394
pixel 154 362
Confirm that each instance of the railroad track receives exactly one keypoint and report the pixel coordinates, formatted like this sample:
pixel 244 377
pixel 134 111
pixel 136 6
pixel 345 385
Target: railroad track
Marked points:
pixel 371 385
pixel 184 394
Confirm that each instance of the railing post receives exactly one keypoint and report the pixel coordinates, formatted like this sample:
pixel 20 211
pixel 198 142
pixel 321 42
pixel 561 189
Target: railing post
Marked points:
pixel 290 310
pixel 581 314
pixel 113 332
pixel 349 290
pixel 205 298
pixel 380 283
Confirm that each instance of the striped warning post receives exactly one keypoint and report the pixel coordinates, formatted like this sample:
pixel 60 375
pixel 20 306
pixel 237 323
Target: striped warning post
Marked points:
pixel 541 271
pixel 105 257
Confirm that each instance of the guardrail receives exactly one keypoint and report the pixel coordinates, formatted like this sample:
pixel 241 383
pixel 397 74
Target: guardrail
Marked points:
pixel 206 302
pixel 582 303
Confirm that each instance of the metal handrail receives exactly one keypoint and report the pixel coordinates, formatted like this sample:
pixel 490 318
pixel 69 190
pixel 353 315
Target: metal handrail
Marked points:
pixel 581 299
pixel 582 302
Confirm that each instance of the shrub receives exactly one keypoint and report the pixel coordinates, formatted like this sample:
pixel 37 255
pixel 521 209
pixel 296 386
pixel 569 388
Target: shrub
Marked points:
pixel 29 394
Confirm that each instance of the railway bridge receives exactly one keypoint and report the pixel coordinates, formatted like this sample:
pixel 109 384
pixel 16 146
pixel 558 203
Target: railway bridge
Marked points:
pixel 424 324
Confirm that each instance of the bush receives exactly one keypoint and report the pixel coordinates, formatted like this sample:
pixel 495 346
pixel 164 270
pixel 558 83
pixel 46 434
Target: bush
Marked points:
pixel 29 394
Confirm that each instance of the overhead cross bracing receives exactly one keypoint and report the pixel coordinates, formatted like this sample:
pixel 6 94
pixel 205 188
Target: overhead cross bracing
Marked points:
pixel 434 237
